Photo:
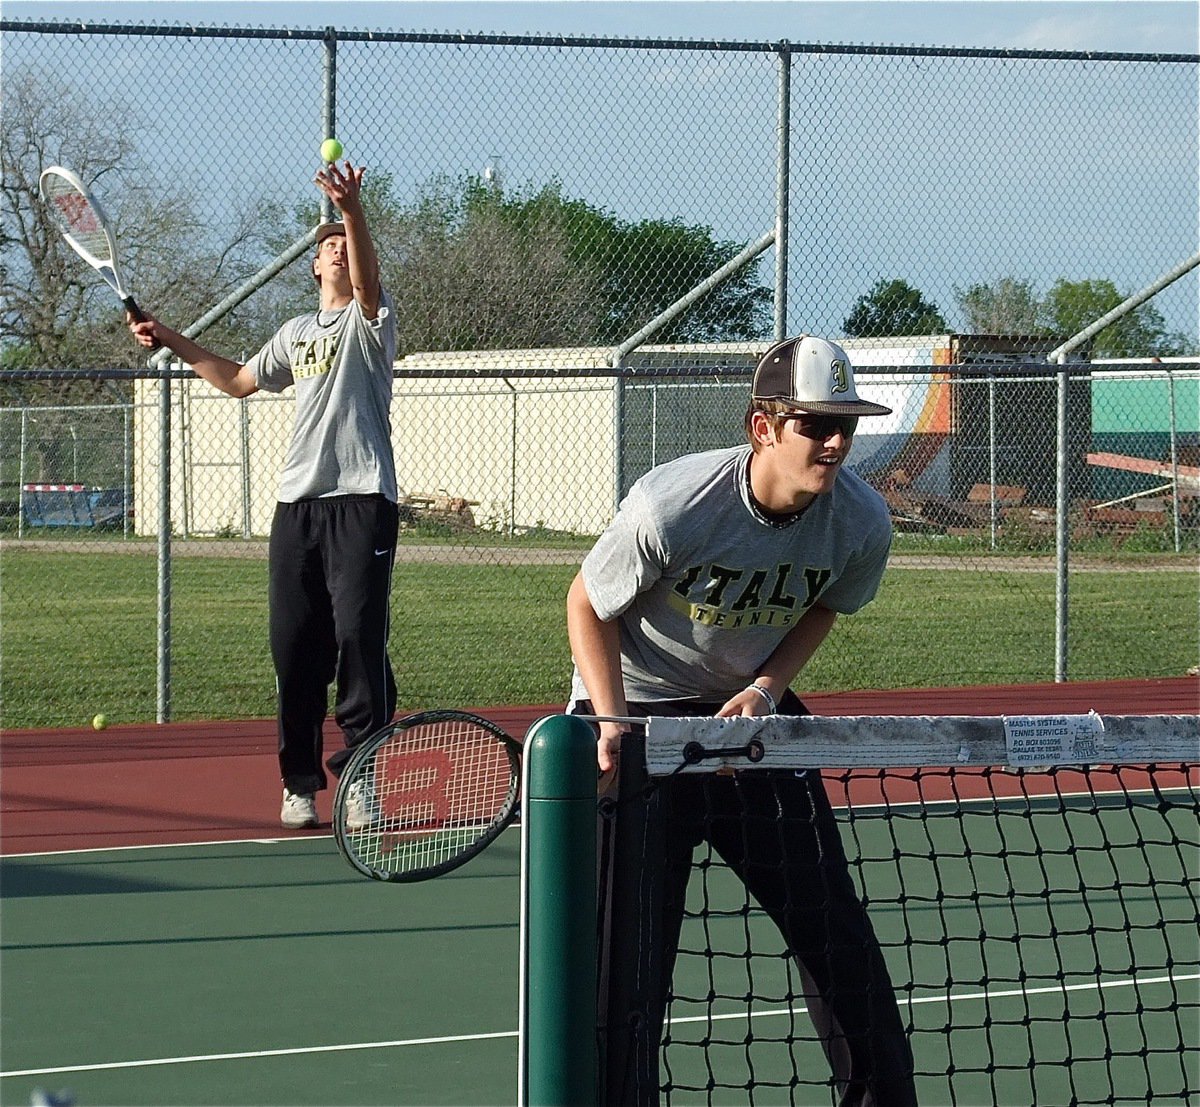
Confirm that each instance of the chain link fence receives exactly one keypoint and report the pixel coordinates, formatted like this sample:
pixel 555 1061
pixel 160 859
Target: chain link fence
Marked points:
pixel 590 243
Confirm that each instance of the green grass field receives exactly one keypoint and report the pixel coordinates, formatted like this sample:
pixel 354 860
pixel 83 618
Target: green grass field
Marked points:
pixel 79 633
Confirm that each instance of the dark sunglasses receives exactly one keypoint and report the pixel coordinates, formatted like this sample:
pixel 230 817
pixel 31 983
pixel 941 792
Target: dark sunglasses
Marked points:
pixel 821 427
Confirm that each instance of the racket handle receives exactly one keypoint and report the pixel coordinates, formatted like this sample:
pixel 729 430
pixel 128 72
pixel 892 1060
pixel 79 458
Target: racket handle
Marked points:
pixel 138 316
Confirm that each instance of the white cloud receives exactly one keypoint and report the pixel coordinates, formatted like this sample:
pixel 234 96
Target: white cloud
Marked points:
pixel 1128 27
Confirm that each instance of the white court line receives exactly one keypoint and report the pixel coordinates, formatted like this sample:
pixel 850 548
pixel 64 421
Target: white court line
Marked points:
pixel 866 808
pixel 1056 989
pixel 173 845
pixel 453 1038
pixel 326 836
pixel 456 1038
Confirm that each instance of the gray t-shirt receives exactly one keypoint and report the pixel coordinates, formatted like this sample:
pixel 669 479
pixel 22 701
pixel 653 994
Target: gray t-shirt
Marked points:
pixel 341 365
pixel 706 585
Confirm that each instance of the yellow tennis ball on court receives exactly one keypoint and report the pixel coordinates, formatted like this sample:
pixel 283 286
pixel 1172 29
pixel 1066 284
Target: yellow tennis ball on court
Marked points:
pixel 331 150
pixel 99 722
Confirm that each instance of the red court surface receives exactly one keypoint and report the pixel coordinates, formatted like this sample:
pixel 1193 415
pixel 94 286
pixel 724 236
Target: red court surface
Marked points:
pixel 219 781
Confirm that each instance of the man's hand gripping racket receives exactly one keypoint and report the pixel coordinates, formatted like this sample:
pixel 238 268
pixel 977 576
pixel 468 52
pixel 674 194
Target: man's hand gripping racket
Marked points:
pixel 80 219
pixel 425 794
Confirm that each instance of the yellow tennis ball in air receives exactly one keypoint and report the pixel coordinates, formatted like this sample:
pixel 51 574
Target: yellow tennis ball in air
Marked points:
pixel 99 722
pixel 331 150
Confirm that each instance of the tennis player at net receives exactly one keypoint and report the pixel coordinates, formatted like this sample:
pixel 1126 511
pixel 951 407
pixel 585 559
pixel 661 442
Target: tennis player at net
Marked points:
pixel 719 577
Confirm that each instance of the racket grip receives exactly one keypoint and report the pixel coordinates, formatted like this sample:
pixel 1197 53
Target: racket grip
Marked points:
pixel 138 316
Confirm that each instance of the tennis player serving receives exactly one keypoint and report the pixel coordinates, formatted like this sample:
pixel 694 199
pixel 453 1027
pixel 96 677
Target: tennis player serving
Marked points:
pixel 333 537
pixel 720 576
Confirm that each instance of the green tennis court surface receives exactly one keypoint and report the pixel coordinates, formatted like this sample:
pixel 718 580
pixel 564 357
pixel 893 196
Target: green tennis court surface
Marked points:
pixel 267 972
pixel 257 973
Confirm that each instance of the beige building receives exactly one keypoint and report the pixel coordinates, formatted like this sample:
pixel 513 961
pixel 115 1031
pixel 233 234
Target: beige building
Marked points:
pixel 527 437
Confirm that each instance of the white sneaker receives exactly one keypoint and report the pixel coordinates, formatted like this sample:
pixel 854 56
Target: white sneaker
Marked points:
pixel 299 810
pixel 362 810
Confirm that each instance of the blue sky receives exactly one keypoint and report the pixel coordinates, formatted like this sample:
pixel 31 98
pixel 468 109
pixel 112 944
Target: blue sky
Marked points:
pixel 1126 25
pixel 1128 216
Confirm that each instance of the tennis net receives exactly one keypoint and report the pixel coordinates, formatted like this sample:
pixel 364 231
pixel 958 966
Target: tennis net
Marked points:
pixel 1031 884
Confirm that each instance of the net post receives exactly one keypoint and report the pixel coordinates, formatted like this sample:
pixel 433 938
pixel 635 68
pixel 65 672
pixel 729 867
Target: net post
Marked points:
pixel 557 1052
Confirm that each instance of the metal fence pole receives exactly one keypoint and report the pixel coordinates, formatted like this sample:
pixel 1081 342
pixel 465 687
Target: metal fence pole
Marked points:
pixel 512 463
pixel 185 461
pixel 243 403
pixel 782 188
pixel 329 112
pixel 21 474
pixel 1062 537
pixel 1174 456
pixel 994 511
pixel 127 470
pixel 163 712
pixel 618 364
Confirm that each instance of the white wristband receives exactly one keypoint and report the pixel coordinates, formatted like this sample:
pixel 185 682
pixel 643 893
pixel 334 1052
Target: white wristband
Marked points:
pixel 767 698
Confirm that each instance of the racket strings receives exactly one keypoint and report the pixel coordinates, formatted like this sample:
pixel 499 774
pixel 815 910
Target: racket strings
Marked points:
pixel 433 792
pixel 76 217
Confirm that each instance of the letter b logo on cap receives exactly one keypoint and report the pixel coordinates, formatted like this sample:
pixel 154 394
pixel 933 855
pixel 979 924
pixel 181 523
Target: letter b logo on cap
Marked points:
pixel 841 376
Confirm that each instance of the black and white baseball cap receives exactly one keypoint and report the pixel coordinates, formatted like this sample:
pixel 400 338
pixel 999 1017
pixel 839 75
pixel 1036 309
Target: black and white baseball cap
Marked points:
pixel 810 374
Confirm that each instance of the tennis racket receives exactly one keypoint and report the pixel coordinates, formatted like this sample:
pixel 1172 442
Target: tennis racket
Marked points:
pixel 426 794
pixel 81 221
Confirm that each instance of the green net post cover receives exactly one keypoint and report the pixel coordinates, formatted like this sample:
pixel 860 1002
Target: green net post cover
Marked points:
pixel 559 943
pixel 561 752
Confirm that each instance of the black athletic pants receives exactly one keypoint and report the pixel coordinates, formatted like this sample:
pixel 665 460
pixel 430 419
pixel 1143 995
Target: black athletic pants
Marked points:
pixel 777 832
pixel 330 579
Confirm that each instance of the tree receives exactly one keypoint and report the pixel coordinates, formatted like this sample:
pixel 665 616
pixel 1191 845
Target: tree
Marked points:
pixel 1072 306
pixel 892 308
pixel 55 312
pixel 471 264
pixel 477 271
pixel 647 266
pixel 1009 306
pixel 474 266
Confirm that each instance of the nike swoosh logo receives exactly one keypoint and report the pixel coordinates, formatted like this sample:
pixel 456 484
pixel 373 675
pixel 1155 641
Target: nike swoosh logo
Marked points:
pixel 380 553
